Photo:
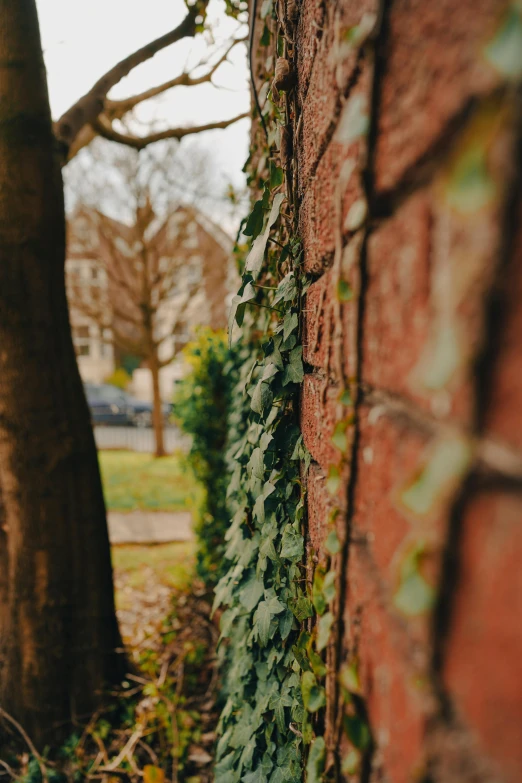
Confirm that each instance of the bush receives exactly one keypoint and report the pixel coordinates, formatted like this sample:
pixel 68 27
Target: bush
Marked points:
pixel 119 378
pixel 201 404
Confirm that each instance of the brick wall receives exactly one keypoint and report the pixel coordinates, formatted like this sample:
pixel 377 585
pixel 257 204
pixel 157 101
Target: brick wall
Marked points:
pixel 409 192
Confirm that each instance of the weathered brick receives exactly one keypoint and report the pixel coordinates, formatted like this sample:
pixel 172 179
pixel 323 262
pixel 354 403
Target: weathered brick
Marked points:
pixel 325 316
pixel 430 268
pixel 333 68
pixel 398 702
pixel 402 500
pixel 309 33
pixel 397 312
pixel 484 648
pixel 320 411
pixel 319 212
pixel 325 511
pixel 435 63
pixel 317 322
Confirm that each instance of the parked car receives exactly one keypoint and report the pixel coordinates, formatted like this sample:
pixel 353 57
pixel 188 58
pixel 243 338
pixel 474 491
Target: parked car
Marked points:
pixel 110 405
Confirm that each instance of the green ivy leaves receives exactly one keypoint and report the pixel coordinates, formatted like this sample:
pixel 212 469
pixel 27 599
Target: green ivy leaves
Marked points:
pixel 314 696
pixel 263 587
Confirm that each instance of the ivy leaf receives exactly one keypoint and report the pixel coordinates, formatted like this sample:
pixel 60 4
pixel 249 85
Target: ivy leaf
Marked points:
pixel 332 544
pixel 329 586
pixel 414 596
pixel 236 314
pixel 324 627
pixel 318 598
pixel 258 776
pixel 286 622
pixel 254 260
pixel 262 397
pixel 314 696
pixel 275 605
pixel 270 370
pixel 286 290
pixel 279 712
pixel 357 731
pixel 317 664
pixel 276 175
pixel 289 324
pixel 255 221
pixel 262 619
pixel 292 544
pixel 256 463
pixel 294 372
pixel 316 761
pixel 302 608
pixel 265 38
pixel 251 593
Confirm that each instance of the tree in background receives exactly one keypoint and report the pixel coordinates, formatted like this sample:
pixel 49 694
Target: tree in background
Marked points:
pixel 59 640
pixel 152 263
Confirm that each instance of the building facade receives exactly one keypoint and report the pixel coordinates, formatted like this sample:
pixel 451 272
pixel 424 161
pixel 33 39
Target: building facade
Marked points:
pixel 209 273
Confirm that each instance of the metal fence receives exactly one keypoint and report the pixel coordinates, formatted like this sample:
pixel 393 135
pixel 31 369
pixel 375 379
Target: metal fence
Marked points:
pixel 138 439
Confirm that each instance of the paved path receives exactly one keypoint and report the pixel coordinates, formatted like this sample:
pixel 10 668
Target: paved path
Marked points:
pixel 149 527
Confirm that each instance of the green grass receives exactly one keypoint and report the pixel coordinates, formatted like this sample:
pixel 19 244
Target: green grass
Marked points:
pixel 133 481
pixel 173 564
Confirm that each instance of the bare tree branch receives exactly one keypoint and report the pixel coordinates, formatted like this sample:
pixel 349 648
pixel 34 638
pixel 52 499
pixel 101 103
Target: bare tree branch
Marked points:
pixel 106 130
pixel 116 109
pixel 91 105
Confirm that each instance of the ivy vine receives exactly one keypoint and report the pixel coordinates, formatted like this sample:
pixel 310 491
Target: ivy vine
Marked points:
pixel 275 624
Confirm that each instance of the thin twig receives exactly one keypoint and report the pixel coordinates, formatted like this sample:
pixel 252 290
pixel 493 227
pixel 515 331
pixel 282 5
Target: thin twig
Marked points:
pixel 39 759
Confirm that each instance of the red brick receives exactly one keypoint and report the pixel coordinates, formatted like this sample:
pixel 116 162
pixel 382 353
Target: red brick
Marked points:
pixel 434 64
pixel 317 215
pixel 333 67
pixel 430 268
pixel 397 312
pixel 396 699
pixel 335 185
pixel 392 457
pixel 325 512
pixel 320 411
pixel 503 420
pixel 309 33
pixel 484 650
pixel 322 308
pixel 317 322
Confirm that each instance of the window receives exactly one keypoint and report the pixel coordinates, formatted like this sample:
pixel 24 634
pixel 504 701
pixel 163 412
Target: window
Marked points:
pixel 82 340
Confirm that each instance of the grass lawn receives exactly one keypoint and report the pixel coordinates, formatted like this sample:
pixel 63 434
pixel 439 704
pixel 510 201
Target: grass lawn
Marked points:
pixel 134 481
pixel 173 564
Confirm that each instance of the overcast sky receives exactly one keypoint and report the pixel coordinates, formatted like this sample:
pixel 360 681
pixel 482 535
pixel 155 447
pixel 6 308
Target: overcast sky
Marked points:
pixel 84 38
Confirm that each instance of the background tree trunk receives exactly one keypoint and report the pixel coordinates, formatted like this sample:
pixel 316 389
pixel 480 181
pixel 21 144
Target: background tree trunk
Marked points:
pixel 157 414
pixel 58 630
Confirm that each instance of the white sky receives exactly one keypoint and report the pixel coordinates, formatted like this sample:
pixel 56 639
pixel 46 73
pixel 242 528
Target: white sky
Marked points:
pixel 83 38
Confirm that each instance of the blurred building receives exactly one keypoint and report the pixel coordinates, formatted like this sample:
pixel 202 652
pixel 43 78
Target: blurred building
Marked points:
pixel 209 271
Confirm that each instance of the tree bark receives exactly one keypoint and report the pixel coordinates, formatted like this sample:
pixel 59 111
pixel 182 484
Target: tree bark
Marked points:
pixel 157 414
pixel 59 638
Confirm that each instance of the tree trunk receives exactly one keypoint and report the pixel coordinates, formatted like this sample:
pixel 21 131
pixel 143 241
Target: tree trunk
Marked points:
pixel 157 414
pixel 59 638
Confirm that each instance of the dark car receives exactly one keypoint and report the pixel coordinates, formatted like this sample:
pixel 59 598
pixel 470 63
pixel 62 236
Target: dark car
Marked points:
pixel 110 405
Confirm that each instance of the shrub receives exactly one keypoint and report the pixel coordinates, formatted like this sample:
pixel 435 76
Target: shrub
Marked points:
pixel 120 378
pixel 201 404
